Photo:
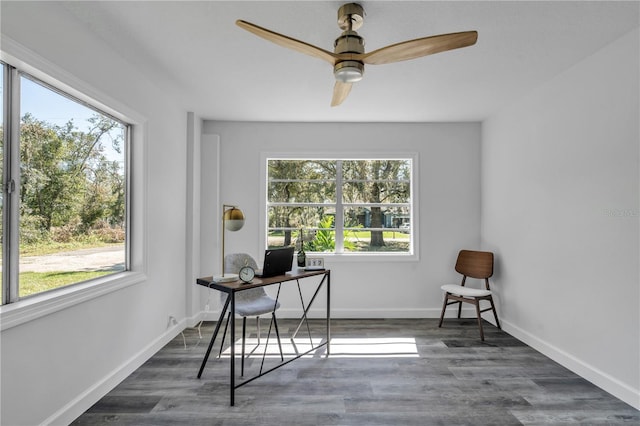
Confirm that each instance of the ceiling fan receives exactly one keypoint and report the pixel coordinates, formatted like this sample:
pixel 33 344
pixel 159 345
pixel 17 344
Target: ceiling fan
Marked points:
pixel 348 58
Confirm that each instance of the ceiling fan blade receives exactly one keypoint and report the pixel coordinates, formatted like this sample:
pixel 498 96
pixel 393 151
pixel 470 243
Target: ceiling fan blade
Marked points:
pixel 288 42
pixel 420 47
pixel 340 92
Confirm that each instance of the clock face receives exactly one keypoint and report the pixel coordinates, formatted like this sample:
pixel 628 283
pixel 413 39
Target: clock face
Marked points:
pixel 247 273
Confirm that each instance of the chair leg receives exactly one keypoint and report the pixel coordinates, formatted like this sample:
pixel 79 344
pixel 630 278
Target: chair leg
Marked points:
pixel 444 308
pixel 495 314
pixel 477 303
pixel 258 328
pixel 244 333
pixel 275 323
pixel 224 334
pixel 459 309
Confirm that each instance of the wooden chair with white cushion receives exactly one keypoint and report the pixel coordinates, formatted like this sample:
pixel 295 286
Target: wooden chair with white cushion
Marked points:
pixel 473 264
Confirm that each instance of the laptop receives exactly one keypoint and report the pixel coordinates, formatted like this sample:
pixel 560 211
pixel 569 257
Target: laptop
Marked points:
pixel 276 262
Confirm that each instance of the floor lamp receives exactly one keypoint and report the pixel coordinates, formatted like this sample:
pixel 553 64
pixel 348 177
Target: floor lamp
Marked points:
pixel 233 220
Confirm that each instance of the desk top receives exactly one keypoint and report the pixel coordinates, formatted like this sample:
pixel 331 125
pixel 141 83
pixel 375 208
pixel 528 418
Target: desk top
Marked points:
pixel 238 285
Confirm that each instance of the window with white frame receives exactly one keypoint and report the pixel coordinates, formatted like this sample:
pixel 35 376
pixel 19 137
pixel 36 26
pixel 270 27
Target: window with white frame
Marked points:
pixel 341 205
pixel 64 201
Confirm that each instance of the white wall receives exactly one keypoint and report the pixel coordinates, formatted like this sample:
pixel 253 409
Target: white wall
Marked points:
pixel 448 209
pixel 56 366
pixel 560 184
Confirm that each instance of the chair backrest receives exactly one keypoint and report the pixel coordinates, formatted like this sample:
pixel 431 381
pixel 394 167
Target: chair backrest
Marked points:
pixel 475 264
pixel 232 264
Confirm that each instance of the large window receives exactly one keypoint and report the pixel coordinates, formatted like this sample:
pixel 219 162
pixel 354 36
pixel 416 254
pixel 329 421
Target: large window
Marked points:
pixel 340 205
pixel 64 181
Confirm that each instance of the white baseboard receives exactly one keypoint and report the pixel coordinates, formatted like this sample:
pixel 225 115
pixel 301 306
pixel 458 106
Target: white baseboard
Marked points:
pixel 84 401
pixel 201 316
pixel 599 378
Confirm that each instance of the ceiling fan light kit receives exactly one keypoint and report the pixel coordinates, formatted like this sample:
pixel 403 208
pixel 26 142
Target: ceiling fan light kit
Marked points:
pixel 348 71
pixel 348 58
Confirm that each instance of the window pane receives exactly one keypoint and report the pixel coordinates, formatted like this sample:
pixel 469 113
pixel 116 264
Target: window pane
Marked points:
pixel 376 169
pixel 72 191
pixel 302 191
pixel 302 169
pixel 321 240
pixel 376 192
pixel 376 181
pixel 301 181
pixel 366 241
pixel 374 228
pixel 376 217
pixel 296 216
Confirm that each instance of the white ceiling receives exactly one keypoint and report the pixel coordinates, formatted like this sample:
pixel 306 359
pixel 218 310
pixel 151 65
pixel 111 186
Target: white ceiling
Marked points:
pixel 224 73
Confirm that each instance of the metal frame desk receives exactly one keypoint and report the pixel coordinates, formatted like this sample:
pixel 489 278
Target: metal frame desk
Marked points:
pixel 231 288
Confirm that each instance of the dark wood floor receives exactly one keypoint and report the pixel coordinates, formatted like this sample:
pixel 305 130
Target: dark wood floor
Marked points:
pixel 391 372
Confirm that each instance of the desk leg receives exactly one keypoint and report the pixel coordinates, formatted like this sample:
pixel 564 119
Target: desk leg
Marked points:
pixel 232 380
pixel 328 313
pixel 213 338
pixel 326 277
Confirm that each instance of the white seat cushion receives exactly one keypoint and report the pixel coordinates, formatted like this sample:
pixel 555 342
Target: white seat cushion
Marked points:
pixel 255 307
pixel 465 291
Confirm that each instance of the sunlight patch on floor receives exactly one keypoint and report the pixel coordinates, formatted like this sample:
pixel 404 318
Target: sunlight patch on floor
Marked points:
pixel 289 348
pixel 363 347
pixel 374 347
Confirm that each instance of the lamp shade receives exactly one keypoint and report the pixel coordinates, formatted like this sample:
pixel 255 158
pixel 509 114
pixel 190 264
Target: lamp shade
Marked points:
pixel 233 219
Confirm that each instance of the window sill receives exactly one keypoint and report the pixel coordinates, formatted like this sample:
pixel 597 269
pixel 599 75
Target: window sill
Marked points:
pixel 367 257
pixel 38 306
